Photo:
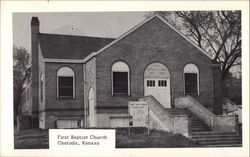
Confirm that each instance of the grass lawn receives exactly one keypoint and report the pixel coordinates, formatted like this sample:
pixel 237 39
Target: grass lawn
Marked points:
pixel 139 138
pixel 31 139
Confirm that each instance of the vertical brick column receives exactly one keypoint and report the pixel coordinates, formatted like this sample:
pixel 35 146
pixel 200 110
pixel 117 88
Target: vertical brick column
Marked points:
pixel 34 71
pixel 217 87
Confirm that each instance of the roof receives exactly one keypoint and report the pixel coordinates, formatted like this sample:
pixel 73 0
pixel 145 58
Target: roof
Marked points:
pixel 138 26
pixel 70 47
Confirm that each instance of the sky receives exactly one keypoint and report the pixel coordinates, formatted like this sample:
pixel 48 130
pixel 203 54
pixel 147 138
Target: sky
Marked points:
pixel 97 24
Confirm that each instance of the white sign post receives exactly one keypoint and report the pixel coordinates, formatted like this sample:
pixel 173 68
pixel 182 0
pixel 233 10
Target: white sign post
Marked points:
pixel 139 111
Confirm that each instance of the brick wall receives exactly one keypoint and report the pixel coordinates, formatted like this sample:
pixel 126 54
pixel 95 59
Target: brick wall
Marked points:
pixel 152 42
pixel 51 100
pixel 62 107
pixel 52 116
pixel 90 77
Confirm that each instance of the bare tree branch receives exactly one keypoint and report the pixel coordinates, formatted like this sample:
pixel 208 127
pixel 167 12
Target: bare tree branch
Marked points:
pixel 218 32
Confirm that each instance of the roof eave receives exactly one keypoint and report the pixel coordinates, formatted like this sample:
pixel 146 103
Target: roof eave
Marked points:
pixel 53 60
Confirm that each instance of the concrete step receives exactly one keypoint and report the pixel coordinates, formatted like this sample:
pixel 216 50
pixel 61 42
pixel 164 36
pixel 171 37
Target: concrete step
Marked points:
pixel 222 145
pixel 196 120
pixel 216 138
pixel 198 129
pixel 216 142
pixel 199 123
pixel 203 135
pixel 214 133
pixel 199 126
pixel 177 111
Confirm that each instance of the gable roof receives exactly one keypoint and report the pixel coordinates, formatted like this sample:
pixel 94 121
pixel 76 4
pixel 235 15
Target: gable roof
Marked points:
pixel 139 25
pixel 56 46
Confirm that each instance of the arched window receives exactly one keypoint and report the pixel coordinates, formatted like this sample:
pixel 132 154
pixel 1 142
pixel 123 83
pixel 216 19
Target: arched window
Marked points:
pixel 120 79
pixel 65 83
pixel 191 79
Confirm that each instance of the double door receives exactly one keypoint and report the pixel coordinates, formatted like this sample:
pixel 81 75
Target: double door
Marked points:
pixel 159 88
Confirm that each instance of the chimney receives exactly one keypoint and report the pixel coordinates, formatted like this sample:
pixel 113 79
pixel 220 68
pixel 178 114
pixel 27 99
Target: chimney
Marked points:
pixel 34 30
pixel 34 71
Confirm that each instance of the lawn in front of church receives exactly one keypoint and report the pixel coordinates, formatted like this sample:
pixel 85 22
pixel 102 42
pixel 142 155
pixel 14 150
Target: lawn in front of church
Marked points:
pixel 139 138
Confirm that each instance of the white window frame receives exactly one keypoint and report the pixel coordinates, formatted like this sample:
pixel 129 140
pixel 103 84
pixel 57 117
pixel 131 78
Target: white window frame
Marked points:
pixel 65 72
pixel 120 66
pixel 191 69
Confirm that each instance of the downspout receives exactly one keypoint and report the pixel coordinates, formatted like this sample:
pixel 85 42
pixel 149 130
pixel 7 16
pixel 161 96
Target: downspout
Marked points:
pixel 85 95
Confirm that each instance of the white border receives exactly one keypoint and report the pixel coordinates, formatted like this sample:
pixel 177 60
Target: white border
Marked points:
pixel 8 7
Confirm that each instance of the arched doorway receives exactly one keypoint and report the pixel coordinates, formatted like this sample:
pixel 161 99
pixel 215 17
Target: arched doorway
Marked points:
pixel 91 108
pixel 157 83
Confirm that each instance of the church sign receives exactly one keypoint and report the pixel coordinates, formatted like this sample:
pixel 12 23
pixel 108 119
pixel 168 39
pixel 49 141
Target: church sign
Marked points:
pixel 139 111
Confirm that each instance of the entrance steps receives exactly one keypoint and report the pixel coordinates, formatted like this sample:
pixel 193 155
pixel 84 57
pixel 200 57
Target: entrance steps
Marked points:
pixel 204 136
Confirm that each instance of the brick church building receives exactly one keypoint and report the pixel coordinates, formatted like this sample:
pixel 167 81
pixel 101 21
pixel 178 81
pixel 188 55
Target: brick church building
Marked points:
pixel 80 81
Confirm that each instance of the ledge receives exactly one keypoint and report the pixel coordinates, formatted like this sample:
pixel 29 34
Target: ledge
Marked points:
pixel 120 117
pixel 111 107
pixel 69 118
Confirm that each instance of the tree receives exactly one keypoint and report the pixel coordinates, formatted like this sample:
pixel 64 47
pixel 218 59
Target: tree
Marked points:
pixel 217 32
pixel 21 64
pixel 232 89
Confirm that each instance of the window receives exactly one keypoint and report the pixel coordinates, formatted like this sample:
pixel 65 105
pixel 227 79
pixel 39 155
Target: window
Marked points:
pixel 162 83
pixel 120 82
pixel 65 86
pixel 191 79
pixel 65 83
pixel 190 83
pixel 150 83
pixel 120 79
